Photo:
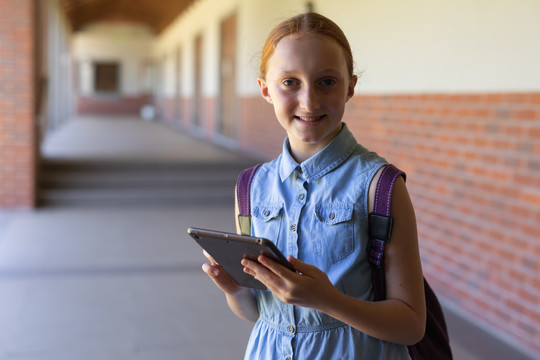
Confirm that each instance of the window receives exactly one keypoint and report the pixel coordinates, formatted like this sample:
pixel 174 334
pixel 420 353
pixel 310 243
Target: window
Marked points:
pixel 106 77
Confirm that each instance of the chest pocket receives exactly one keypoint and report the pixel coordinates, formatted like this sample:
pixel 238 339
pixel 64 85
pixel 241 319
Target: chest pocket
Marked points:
pixel 334 230
pixel 266 220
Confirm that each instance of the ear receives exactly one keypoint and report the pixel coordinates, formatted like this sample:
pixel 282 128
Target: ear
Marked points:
pixel 352 84
pixel 264 90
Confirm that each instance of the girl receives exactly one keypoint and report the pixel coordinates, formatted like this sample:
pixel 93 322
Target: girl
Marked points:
pixel 313 202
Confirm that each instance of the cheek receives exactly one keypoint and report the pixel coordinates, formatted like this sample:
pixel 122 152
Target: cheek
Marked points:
pixel 336 103
pixel 282 101
pixel 339 99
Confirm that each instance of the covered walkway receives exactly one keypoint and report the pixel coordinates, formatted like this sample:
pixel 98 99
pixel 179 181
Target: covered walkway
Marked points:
pixel 116 281
pixel 123 281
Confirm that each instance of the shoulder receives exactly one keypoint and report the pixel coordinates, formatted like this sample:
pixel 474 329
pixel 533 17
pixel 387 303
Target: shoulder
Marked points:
pixel 365 164
pixel 266 170
pixel 367 158
pixel 399 190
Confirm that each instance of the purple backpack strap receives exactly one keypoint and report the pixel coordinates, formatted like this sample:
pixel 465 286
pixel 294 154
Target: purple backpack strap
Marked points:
pixel 243 191
pixel 380 227
pixel 435 345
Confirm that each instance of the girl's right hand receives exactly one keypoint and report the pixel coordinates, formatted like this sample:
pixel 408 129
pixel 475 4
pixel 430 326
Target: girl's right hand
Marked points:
pixel 219 276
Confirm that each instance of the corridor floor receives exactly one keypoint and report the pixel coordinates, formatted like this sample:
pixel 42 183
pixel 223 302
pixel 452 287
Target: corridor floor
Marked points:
pixel 125 283
pixel 114 283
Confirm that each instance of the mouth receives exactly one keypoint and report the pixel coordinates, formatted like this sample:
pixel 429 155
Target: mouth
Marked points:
pixel 309 118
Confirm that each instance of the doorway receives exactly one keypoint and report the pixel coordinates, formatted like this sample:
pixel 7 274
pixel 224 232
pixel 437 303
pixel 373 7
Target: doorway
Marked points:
pixel 178 88
pixel 197 93
pixel 228 99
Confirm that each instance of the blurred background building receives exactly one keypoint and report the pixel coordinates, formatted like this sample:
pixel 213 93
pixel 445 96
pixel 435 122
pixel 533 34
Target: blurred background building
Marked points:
pixel 448 91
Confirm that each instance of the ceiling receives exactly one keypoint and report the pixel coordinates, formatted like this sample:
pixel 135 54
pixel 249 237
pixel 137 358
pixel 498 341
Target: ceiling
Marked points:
pixel 157 14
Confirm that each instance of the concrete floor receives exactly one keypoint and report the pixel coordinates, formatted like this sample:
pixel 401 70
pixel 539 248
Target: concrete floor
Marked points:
pixel 126 283
pixel 112 284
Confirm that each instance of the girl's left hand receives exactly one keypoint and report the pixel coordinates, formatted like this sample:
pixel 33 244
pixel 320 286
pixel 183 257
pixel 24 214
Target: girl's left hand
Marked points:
pixel 308 286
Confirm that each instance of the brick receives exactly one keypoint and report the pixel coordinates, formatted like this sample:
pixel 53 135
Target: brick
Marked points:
pixel 496 171
pixel 533 132
pixel 16 115
pixel 524 114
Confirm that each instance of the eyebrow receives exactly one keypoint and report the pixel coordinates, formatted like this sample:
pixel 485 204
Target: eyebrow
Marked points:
pixel 325 72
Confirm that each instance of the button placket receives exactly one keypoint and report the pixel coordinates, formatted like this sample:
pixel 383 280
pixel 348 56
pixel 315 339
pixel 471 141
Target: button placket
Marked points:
pixel 299 199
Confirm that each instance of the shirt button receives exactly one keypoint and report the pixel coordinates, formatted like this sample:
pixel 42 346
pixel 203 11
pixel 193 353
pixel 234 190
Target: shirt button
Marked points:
pixel 266 212
pixel 301 197
pixel 291 329
pixel 289 358
pixel 332 216
pixel 293 227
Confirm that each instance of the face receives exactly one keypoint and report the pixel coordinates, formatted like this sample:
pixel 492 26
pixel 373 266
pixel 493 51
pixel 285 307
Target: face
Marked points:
pixel 308 84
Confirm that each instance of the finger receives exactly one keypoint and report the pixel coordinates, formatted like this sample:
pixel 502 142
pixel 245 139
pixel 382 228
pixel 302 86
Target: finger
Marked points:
pixel 253 267
pixel 210 270
pixel 249 271
pixel 258 271
pixel 299 265
pixel 209 257
pixel 221 278
pixel 275 267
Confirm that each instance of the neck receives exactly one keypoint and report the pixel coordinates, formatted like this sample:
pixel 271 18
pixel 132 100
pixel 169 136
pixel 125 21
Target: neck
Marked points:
pixel 300 156
pixel 301 151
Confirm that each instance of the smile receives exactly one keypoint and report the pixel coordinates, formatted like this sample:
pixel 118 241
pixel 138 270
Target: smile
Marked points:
pixel 310 118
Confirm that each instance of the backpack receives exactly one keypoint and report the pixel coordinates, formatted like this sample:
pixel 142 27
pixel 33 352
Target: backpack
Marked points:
pixel 435 344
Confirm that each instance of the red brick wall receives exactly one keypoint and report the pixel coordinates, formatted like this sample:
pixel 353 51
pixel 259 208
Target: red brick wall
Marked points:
pixel 259 132
pixel 186 111
pixel 473 165
pixel 128 105
pixel 169 111
pixel 209 116
pixel 474 176
pixel 17 126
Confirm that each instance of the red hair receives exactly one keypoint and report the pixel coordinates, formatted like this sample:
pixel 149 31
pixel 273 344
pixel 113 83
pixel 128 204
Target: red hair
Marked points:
pixel 308 24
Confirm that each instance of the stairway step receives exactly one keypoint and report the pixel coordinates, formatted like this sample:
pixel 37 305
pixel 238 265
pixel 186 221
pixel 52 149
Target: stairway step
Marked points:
pixel 59 165
pixel 162 196
pixel 64 183
pixel 139 178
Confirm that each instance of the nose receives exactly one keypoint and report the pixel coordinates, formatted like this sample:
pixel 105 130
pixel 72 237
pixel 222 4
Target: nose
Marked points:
pixel 309 99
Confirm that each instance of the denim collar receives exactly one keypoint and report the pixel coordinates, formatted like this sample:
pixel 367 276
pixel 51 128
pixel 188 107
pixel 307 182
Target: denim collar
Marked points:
pixel 326 160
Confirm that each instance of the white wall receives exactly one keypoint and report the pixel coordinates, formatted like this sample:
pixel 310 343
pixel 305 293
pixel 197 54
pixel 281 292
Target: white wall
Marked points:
pixel 56 67
pixel 254 19
pixel 448 46
pixel 399 46
pixel 130 45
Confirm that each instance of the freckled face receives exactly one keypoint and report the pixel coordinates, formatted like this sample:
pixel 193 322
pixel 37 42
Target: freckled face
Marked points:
pixel 308 84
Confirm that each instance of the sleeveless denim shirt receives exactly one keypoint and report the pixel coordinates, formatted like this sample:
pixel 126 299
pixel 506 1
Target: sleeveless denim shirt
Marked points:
pixel 317 211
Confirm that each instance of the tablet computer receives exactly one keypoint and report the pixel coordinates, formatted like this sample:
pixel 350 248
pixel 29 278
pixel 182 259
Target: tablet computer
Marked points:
pixel 229 249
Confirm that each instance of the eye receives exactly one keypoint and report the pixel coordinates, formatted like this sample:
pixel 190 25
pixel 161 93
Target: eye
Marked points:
pixel 289 83
pixel 328 82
